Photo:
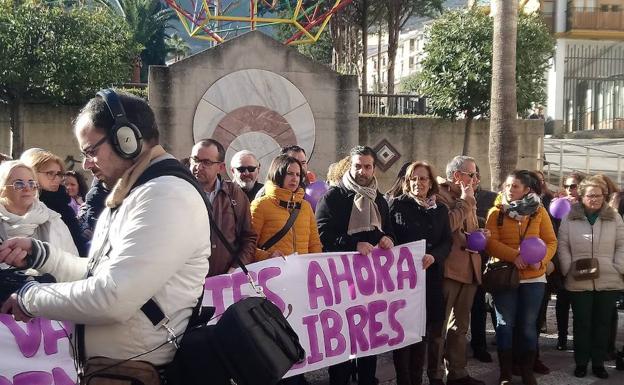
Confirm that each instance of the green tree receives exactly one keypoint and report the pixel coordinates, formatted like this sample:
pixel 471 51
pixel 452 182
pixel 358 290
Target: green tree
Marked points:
pixel 59 56
pixel 398 12
pixel 147 20
pixel 456 74
pixel 177 47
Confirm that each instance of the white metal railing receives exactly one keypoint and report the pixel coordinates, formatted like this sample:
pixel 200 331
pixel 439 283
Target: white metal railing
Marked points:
pixel 567 156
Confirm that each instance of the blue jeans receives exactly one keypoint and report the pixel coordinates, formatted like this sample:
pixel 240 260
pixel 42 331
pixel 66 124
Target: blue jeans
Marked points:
pixel 518 308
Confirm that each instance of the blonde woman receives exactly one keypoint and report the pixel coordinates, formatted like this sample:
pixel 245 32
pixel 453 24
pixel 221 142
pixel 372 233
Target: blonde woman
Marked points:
pixel 50 171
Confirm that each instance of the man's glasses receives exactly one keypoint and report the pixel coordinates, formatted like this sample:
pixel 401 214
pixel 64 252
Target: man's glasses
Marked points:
pixel 242 169
pixel 53 174
pixel 570 186
pixel 20 185
pixel 471 175
pixel 91 151
pixel 594 196
pixel 203 162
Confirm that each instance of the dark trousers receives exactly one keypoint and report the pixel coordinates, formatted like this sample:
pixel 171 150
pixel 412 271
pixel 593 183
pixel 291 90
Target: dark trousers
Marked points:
pixel 478 318
pixel 409 362
pixel 340 374
pixel 592 324
pixel 562 312
pixel 613 332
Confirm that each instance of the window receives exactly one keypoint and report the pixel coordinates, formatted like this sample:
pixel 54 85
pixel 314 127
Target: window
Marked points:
pixel 412 44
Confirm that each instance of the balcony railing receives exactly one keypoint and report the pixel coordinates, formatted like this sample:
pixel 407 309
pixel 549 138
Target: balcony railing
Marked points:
pixel 606 18
pixel 392 105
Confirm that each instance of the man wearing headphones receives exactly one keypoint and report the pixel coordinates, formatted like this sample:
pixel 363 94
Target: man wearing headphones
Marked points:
pixel 150 244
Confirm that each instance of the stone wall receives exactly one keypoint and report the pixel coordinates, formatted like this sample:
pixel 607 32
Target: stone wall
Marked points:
pixel 434 140
pixel 254 93
pixel 437 141
pixel 45 126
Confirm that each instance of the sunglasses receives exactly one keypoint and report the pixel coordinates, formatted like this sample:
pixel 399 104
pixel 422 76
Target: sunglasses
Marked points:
pixel 20 185
pixel 471 175
pixel 242 169
pixel 570 186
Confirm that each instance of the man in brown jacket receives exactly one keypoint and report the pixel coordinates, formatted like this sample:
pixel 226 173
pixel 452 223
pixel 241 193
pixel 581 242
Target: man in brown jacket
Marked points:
pixel 229 208
pixel 462 274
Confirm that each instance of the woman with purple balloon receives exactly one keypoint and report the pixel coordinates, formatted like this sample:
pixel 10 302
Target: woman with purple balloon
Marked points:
pixel 591 253
pixel 522 234
pixel 415 215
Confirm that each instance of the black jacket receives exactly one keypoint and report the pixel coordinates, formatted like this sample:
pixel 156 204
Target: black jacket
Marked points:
pixel 59 202
pixel 411 222
pixel 251 194
pixel 332 217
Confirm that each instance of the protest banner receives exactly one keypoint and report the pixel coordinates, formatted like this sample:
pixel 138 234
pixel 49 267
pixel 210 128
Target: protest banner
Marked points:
pixel 341 305
pixel 35 353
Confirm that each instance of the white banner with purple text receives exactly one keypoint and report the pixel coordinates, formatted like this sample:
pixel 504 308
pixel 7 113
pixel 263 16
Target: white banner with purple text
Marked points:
pixel 342 305
pixel 35 353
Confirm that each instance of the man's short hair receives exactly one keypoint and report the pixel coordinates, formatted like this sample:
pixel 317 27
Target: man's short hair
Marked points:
pixel 236 158
pixel 212 142
pixel 137 111
pixel 364 151
pixel 456 164
pixel 294 148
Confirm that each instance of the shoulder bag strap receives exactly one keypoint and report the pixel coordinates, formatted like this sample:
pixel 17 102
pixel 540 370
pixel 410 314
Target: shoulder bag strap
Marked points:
pixel 280 234
pixel 3 233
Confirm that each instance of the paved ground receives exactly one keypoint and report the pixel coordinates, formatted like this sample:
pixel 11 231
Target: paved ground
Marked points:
pixel 561 364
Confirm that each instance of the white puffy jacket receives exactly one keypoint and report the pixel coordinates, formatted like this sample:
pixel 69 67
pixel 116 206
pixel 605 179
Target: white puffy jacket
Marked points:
pixel 603 241
pixel 159 245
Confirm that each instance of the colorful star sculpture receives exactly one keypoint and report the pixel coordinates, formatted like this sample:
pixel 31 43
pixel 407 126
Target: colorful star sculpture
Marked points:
pixel 218 20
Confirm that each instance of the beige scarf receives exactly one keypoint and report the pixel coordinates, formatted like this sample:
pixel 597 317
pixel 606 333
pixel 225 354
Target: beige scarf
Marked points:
pixel 364 212
pixel 130 176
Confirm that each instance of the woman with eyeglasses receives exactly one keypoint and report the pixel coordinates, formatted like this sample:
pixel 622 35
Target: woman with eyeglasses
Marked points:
pixel 569 191
pixel 519 216
pixel 50 172
pixel 591 252
pixel 415 216
pixel 21 212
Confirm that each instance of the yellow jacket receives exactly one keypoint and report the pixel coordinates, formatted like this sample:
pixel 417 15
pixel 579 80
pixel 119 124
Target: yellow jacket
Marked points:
pixel 505 241
pixel 268 217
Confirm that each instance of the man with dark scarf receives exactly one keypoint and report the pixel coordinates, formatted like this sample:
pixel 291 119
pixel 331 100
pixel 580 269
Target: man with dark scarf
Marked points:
pixel 354 216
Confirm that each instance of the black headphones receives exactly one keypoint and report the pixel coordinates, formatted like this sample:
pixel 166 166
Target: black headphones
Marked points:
pixel 124 136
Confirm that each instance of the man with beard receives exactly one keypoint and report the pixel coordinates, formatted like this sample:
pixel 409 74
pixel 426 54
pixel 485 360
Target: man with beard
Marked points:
pixel 144 244
pixel 354 216
pixel 229 208
pixel 245 169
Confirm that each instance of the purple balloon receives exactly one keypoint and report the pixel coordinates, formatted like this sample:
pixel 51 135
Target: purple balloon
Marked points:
pixel 314 192
pixel 559 208
pixel 532 250
pixel 476 241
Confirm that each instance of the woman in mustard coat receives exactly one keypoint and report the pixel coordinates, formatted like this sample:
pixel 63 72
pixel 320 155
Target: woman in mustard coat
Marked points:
pixel 269 214
pixel 520 215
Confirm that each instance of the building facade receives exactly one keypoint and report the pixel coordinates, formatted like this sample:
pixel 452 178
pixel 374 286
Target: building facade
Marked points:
pixel 586 81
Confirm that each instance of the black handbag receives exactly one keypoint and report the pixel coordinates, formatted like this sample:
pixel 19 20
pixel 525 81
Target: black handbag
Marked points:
pixel 499 276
